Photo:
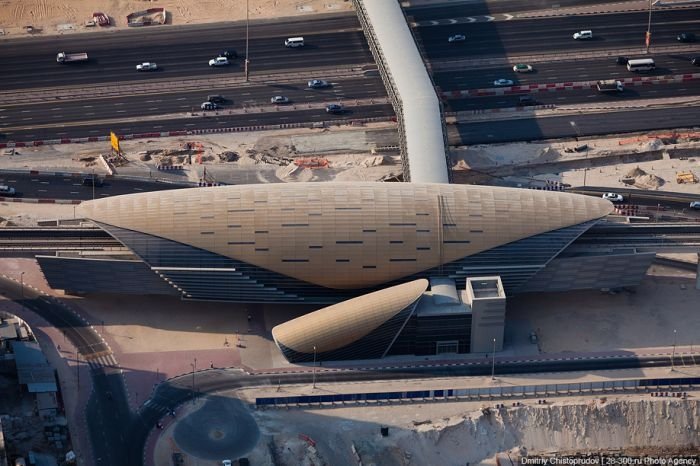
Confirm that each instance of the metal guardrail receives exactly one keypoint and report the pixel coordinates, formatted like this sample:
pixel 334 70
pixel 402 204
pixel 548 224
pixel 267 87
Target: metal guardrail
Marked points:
pixel 481 393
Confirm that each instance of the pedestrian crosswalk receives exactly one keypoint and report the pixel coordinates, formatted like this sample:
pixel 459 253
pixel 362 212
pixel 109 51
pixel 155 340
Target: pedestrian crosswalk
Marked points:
pixel 156 406
pixel 101 359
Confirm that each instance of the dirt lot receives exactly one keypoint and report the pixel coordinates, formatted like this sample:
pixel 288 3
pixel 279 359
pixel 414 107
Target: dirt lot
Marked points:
pixel 49 17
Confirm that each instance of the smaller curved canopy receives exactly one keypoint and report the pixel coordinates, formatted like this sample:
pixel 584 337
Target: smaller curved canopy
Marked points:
pixel 344 323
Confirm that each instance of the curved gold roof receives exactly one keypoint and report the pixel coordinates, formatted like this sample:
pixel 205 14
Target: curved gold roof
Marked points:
pixel 344 323
pixel 346 235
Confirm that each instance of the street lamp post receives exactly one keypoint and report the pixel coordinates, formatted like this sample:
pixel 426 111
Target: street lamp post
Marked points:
pixel 493 361
pixel 578 137
pixel 93 184
pixel 314 370
pixel 21 283
pixel 194 367
pixel 647 38
pixel 673 355
pixel 247 62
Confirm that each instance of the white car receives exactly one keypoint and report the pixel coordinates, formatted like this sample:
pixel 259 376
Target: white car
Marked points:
pixel 695 205
pixel 147 66
pixel 219 61
pixel 7 191
pixel 457 38
pixel 226 463
pixel 522 68
pixel 581 35
pixel 279 99
pixel 503 82
pixel 613 197
pixel 317 84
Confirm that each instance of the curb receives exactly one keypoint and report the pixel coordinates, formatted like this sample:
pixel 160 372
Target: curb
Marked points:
pixel 40 201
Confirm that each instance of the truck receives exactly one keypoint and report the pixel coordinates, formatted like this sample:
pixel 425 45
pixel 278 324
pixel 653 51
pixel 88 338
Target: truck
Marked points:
pixel 610 85
pixel 64 57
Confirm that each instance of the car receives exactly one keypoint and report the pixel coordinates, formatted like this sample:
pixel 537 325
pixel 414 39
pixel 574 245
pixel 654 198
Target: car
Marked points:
pixel 219 61
pixel 334 109
pixel 522 68
pixel 228 54
pixel 226 463
pixel 685 37
pixel 317 84
pixel 695 61
pixel 208 106
pixel 146 66
pixel 613 197
pixel 503 82
pixel 457 38
pixel 92 181
pixel 7 191
pixel 621 60
pixel 582 35
pixel 216 99
pixel 279 99
pixel 695 205
pixel 525 100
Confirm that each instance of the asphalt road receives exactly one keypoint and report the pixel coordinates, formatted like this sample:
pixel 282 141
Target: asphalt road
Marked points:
pixel 108 414
pixel 563 71
pixel 483 7
pixel 212 120
pixel 584 96
pixel 66 112
pixel 550 35
pixel 71 187
pixel 531 129
pixel 183 52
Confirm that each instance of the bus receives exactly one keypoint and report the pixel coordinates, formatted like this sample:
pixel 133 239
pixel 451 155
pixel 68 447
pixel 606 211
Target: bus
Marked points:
pixel 643 64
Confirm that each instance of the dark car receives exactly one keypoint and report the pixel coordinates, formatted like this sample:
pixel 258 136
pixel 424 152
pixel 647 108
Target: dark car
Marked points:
pixel 695 61
pixel 686 37
pixel 334 108
pixel 216 99
pixel 228 54
pixel 621 60
pixel 524 100
pixel 92 181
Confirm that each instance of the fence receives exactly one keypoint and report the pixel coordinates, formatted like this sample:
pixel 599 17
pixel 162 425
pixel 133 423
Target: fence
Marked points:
pixel 467 394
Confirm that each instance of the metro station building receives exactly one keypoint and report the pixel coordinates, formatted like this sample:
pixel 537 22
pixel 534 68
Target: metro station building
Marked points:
pixel 395 247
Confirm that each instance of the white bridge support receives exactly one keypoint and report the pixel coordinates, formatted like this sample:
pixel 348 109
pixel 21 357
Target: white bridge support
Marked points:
pixel 422 132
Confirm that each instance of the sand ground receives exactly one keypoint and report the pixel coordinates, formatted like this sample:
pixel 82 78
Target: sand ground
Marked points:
pixel 52 17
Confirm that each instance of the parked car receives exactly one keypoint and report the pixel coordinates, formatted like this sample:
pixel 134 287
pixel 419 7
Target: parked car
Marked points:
pixel 582 35
pixel 7 191
pixel 279 99
pixel 318 84
pixel 695 205
pixel 208 106
pixel 334 109
pixel 216 99
pixel 219 61
pixel 522 68
pixel 147 66
pixel 228 53
pixel 621 60
pixel 457 38
pixel 503 82
pixel 685 37
pixel 613 197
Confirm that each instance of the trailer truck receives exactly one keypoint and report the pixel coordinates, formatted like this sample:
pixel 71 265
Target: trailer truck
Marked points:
pixel 64 57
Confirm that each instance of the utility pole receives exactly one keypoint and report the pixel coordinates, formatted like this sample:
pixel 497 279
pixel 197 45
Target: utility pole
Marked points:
pixel 673 355
pixel 247 62
pixel 493 361
pixel 21 283
pixel 314 376
pixel 578 137
pixel 194 367
pixel 647 38
pixel 93 184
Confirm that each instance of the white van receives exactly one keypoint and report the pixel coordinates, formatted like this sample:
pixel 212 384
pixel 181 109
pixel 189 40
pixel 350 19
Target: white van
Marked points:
pixel 583 35
pixel 294 42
